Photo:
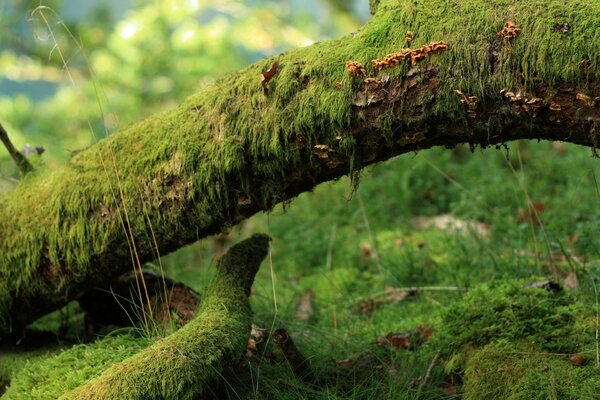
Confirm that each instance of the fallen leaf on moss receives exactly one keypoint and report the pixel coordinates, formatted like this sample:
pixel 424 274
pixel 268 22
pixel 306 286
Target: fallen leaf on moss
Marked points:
pixel 266 76
pixel 406 340
pixel 400 340
pixel 578 360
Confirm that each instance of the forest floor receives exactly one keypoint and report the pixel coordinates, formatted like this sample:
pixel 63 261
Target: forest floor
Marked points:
pixel 430 281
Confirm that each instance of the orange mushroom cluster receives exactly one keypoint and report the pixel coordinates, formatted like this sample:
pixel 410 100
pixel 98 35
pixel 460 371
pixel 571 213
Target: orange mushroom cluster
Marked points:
pixel 355 68
pixel 510 31
pixel 521 103
pixel 394 59
pixel 469 101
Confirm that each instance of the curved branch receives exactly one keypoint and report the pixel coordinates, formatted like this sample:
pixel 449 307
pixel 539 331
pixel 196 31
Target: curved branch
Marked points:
pixel 180 366
pixel 234 149
pixel 19 159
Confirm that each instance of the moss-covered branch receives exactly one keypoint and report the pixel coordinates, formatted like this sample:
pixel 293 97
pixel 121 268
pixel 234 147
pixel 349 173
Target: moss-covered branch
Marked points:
pixel 179 366
pixel 237 148
pixel 19 159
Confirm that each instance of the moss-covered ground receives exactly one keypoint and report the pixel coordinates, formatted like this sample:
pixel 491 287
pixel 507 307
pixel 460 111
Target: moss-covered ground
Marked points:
pixel 497 339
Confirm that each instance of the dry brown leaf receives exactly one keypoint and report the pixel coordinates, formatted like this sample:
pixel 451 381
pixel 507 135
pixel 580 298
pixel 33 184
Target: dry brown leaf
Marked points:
pixel 266 76
pixel 346 363
pixel 304 310
pixel 400 340
pixel 406 340
pixel 578 360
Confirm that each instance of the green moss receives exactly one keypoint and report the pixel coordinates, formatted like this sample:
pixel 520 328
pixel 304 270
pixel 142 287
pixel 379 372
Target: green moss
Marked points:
pixel 175 175
pixel 181 365
pixel 554 322
pixel 373 5
pixel 510 342
pixel 34 375
pixel 513 370
pixel 125 366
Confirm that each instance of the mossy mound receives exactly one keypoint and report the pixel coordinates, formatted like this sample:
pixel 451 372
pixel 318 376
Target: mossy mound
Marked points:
pixel 510 340
pixel 508 370
pixel 39 377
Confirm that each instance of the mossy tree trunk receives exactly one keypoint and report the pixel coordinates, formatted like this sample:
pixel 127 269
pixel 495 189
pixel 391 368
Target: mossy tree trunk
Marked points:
pixel 242 145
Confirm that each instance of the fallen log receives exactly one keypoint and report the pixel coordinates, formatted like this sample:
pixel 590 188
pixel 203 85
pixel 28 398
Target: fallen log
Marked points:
pixel 476 72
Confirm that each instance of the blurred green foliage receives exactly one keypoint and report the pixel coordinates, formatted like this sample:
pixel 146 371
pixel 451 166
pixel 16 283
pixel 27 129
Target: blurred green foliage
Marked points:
pixel 74 73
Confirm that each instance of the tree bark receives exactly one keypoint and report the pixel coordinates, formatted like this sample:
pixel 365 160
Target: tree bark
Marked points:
pixel 525 70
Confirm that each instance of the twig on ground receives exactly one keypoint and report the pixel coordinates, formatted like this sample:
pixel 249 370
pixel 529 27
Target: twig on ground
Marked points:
pixel 430 368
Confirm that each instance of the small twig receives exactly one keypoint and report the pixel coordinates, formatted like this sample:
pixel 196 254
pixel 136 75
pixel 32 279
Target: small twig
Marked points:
pixel 22 163
pixel 430 368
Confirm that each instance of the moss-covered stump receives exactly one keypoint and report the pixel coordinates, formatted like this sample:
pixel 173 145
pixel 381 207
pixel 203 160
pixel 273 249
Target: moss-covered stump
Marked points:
pixel 510 341
pixel 177 367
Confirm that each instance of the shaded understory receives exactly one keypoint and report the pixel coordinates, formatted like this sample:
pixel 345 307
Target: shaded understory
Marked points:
pixel 497 340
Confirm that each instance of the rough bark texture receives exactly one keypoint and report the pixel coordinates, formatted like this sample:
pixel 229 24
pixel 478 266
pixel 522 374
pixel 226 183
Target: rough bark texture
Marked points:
pixel 240 147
